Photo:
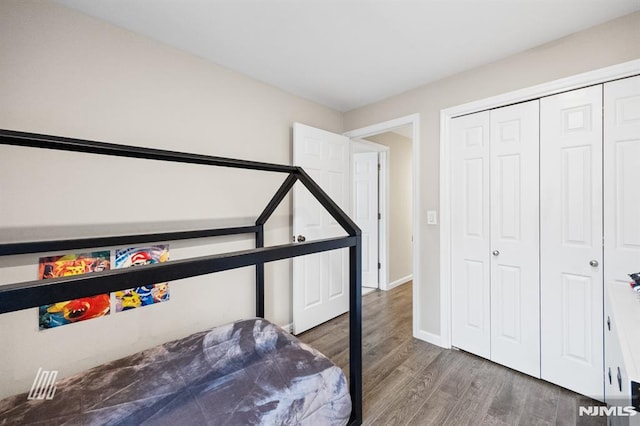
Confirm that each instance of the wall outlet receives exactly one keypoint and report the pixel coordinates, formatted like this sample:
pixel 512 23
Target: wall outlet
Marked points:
pixel 432 217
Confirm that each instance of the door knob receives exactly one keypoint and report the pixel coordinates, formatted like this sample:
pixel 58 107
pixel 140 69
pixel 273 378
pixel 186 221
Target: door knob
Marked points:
pixel 495 253
pixel 593 263
pixel 301 238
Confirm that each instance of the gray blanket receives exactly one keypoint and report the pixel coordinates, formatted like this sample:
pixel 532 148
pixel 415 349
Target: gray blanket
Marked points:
pixel 245 373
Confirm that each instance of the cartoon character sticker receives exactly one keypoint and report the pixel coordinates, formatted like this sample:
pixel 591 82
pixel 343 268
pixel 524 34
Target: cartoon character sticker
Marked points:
pixel 144 295
pixel 71 311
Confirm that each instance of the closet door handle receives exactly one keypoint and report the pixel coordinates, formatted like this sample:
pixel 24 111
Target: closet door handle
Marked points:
pixel 608 322
pixel 619 380
pixel 495 253
pixel 610 380
pixel 593 263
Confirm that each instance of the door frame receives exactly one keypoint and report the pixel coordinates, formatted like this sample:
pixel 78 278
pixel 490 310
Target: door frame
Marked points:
pixel 626 69
pixel 386 126
pixel 383 207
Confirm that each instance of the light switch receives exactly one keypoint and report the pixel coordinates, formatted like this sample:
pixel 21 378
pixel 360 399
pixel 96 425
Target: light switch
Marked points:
pixel 432 218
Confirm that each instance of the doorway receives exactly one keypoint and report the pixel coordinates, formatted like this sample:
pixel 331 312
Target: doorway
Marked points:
pixel 369 199
pixel 320 152
pixel 394 248
pixel 399 245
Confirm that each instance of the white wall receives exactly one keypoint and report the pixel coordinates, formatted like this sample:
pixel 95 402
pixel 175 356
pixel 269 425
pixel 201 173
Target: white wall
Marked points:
pixel 63 73
pixel 611 43
pixel 400 203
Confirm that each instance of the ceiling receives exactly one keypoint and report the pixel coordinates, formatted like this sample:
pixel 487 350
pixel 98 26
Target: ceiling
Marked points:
pixel 349 53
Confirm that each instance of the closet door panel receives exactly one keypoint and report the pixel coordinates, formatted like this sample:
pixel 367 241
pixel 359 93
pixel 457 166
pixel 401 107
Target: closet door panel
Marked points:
pixel 622 180
pixel 571 292
pixel 470 234
pixel 621 201
pixel 515 326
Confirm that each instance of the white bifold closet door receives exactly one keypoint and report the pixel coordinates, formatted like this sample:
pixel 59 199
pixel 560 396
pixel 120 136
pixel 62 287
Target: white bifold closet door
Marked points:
pixel 470 248
pixel 621 204
pixel 515 239
pixel 622 180
pixel 571 240
pixel 495 237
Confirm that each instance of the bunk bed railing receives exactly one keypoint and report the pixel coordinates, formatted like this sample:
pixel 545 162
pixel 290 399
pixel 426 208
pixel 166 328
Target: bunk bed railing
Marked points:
pixel 23 295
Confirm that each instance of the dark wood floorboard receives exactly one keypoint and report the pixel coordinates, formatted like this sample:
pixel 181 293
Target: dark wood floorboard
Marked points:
pixel 410 382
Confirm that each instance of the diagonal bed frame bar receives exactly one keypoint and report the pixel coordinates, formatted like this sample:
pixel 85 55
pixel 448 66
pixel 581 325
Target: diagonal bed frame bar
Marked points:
pixel 24 295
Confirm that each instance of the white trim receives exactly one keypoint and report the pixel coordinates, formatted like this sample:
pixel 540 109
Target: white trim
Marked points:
pixel 288 327
pixel 372 145
pixel 589 78
pixel 445 231
pixel 416 225
pixel 598 76
pixel 434 339
pixel 400 281
pixel 414 120
pixel 383 127
pixel 383 225
pixel 367 290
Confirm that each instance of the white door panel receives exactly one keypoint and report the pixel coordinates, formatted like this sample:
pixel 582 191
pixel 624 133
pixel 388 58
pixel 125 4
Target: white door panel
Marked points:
pixel 621 200
pixel 622 179
pixel 515 320
pixel 320 281
pixel 571 237
pixel 365 212
pixel 470 234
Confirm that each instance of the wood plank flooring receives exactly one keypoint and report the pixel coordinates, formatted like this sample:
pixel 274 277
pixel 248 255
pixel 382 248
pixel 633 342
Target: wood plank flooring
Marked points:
pixel 410 382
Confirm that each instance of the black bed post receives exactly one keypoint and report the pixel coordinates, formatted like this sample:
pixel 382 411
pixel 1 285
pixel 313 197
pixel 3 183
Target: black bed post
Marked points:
pixel 262 219
pixel 355 293
pixel 260 275
pixel 355 330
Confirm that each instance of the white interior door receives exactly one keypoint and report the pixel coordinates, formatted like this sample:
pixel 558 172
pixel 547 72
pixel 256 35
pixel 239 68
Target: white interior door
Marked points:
pixel 622 180
pixel 515 280
pixel 320 281
pixel 470 257
pixel 571 240
pixel 365 212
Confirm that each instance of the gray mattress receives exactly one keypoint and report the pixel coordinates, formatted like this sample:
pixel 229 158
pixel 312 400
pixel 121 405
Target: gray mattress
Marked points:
pixel 246 373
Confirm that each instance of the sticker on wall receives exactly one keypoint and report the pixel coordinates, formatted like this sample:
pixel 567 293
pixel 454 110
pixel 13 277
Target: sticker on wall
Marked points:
pixel 147 294
pixel 71 311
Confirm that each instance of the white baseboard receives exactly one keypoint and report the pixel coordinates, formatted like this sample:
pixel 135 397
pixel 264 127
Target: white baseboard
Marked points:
pixel 288 327
pixel 434 339
pixel 401 281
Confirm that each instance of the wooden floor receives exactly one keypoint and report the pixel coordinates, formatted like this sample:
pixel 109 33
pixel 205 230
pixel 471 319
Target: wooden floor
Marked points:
pixel 407 381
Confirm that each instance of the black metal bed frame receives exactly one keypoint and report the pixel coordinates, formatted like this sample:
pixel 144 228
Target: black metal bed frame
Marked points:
pixel 17 296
